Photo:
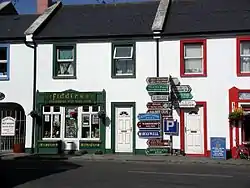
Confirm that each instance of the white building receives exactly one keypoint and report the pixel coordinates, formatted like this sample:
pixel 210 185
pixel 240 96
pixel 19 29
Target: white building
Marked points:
pixel 16 78
pixel 93 61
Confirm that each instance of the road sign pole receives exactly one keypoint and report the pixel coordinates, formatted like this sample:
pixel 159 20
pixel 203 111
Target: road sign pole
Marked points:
pixel 172 102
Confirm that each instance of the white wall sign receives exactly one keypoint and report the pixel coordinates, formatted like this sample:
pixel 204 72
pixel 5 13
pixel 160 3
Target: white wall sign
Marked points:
pixel 156 98
pixel 8 125
pixel 244 96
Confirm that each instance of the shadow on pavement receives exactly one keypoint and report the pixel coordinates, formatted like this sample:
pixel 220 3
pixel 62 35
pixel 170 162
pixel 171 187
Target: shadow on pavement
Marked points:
pixel 21 170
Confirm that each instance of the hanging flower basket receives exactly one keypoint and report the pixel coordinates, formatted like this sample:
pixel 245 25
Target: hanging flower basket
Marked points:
pixel 236 115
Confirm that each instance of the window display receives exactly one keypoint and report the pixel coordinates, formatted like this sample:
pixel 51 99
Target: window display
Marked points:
pixel 52 122
pixel 71 127
pixel 90 122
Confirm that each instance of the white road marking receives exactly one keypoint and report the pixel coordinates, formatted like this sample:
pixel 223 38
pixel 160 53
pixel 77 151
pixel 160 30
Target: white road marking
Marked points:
pixel 182 174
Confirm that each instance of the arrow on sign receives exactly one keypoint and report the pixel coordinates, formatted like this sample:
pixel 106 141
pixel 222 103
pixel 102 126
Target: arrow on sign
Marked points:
pixel 182 89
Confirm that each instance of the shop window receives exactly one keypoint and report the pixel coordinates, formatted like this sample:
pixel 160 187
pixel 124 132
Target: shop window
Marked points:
pixel 123 60
pixel 90 122
pixel 64 61
pixel 243 56
pixel 52 122
pixel 71 122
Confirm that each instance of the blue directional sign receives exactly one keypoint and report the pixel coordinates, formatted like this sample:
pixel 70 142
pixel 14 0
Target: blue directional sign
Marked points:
pixel 149 133
pixel 149 117
pixel 170 127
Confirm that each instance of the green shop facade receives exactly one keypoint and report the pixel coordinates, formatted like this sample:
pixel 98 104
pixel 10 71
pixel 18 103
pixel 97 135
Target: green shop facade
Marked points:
pixel 70 121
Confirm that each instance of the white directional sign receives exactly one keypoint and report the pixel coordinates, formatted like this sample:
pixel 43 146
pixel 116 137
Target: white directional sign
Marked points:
pixel 187 104
pixel 158 98
pixel 182 89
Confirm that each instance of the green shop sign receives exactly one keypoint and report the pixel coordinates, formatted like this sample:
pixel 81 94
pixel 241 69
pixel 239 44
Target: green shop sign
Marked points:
pixel 90 145
pixel 70 97
pixel 48 145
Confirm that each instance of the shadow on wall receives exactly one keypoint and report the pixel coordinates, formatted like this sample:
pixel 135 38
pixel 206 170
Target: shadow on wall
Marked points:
pixel 17 172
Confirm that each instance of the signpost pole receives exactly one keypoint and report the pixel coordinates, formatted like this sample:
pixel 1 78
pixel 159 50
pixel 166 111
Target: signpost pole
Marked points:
pixel 171 99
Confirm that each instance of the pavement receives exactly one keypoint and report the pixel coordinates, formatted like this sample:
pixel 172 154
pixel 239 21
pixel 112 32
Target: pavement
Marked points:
pixel 128 158
pixel 107 174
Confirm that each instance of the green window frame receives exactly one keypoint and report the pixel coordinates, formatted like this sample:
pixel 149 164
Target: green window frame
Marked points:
pixel 64 61
pixel 123 60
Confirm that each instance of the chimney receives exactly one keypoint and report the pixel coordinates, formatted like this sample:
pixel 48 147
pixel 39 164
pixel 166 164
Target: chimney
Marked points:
pixel 42 5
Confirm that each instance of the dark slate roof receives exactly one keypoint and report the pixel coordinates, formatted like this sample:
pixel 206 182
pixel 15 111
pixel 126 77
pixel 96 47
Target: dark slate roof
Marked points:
pixel 204 16
pixel 101 20
pixel 13 26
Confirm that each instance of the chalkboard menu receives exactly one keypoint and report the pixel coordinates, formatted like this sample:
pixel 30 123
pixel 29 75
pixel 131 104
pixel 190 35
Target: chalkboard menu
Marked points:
pixel 218 148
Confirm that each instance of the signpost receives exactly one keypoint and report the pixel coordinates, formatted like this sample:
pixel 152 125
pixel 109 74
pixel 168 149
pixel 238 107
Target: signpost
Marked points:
pixel 158 88
pixel 154 80
pixel 145 133
pixel 159 105
pixel 149 125
pixel 149 117
pixel 157 98
pixel 182 89
pixel 175 81
pixel 157 142
pixel 187 104
pixel 157 151
pixel 184 96
pixel 170 127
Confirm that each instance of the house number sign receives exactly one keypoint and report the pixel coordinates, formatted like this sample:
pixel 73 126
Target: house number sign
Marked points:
pixel 244 96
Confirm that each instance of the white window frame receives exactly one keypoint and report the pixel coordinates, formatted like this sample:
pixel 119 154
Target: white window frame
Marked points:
pixel 64 60
pixel 51 113
pixel 187 58
pixel 90 113
pixel 5 62
pixel 127 46
pixel 242 55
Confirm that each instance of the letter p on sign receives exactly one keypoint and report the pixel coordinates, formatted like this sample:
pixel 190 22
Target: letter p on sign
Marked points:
pixel 170 123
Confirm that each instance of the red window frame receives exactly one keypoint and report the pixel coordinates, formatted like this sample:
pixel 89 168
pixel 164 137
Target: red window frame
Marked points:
pixel 238 41
pixel 182 62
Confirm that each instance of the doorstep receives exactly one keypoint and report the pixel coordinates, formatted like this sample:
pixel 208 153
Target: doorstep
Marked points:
pixel 160 159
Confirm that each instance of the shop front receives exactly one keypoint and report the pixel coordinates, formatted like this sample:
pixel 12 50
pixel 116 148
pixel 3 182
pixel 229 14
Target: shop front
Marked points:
pixel 69 121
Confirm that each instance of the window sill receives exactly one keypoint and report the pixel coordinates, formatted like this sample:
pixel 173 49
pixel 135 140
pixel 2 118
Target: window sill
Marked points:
pixel 4 78
pixel 123 76
pixel 64 77
pixel 239 74
pixel 183 75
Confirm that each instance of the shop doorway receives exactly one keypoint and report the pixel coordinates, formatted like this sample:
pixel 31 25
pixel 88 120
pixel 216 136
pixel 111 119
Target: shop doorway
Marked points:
pixel 245 130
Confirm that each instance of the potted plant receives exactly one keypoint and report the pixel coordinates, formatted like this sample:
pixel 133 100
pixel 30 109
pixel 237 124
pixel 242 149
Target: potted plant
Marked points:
pixel 236 115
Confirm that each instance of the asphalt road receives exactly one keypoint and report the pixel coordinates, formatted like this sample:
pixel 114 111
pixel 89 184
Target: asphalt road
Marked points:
pixel 52 174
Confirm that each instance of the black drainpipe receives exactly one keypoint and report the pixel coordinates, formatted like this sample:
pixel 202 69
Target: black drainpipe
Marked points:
pixel 157 57
pixel 33 45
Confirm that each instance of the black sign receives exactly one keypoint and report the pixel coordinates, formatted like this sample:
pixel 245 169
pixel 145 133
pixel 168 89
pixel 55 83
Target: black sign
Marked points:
pixel 2 96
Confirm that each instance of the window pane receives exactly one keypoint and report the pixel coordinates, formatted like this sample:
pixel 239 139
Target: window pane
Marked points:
pixel 56 109
pixel 3 53
pixel 124 67
pixel 95 126
pixel 71 127
pixel 56 126
pixel 193 65
pixel 46 108
pixel 95 108
pixel 85 108
pixel 3 69
pixel 47 126
pixel 65 68
pixel 65 53
pixel 193 50
pixel 245 48
pixel 85 132
pixel 123 51
pixel 245 64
